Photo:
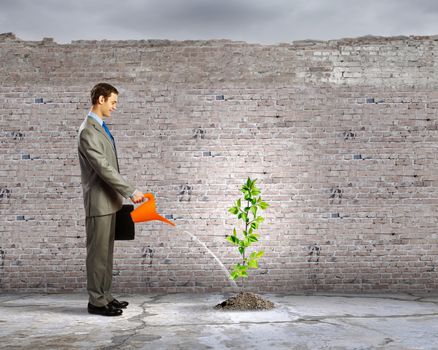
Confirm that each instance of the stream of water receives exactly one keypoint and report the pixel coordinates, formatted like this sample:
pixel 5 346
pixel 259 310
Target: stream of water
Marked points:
pixel 224 269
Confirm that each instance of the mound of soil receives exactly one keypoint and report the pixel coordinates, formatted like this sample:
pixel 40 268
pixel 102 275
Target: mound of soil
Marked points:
pixel 245 301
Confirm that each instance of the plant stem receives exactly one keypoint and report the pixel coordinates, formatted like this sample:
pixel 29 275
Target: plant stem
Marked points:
pixel 243 255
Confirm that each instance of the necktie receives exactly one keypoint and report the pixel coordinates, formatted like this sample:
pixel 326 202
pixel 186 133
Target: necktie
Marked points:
pixel 108 132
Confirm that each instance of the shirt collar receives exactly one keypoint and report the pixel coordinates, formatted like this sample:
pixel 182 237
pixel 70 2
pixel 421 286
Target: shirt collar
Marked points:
pixel 95 117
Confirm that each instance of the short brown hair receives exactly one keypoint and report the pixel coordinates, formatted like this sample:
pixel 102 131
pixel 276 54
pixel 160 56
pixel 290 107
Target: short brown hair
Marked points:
pixel 102 89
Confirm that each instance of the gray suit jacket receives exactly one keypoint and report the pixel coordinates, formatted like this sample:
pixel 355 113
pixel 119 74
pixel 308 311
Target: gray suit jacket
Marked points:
pixel 102 184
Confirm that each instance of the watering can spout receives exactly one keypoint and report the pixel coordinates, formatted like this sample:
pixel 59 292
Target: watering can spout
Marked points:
pixel 148 211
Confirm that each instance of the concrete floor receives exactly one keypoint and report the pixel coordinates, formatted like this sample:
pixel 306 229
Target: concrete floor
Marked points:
pixel 189 321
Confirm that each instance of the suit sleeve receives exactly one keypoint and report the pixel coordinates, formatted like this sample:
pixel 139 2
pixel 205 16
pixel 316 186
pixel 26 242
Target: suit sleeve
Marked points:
pixel 91 149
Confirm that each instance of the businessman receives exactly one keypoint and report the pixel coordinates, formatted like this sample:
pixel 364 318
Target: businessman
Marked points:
pixel 103 188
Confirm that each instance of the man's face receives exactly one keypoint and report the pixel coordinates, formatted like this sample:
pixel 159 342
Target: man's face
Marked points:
pixel 109 105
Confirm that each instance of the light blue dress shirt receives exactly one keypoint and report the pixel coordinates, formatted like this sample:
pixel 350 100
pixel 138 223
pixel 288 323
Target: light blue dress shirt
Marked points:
pixel 95 117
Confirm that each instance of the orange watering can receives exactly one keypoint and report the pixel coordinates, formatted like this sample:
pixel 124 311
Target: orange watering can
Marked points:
pixel 148 211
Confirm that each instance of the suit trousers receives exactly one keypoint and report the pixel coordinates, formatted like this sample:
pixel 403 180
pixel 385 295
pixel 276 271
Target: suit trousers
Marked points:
pixel 100 247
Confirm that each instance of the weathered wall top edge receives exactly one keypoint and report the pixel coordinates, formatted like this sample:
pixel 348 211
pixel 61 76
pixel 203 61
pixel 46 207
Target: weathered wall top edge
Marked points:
pixel 368 39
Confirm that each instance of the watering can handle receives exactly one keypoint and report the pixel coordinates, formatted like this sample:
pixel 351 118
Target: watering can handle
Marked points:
pixel 149 196
pixel 147 211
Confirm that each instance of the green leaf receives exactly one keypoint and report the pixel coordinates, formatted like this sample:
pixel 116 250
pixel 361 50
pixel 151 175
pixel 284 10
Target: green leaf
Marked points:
pixel 259 219
pixel 253 238
pixel 242 268
pixel 233 210
pixel 244 217
pixel 248 183
pixel 233 239
pixel 263 205
pixel 246 210
pixel 256 255
pixel 241 250
pixel 234 232
pixel 239 271
pixel 253 264
pixel 255 192
pixel 254 210
pixel 254 225
pixel 260 254
pixel 239 203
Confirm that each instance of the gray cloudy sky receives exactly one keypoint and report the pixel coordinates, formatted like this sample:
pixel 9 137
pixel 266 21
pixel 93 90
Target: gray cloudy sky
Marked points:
pixel 254 21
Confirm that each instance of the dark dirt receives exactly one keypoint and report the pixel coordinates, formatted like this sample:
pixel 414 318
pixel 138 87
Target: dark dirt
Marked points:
pixel 245 301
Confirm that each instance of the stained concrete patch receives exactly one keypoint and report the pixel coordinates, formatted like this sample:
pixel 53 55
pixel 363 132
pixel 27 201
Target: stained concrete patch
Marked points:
pixel 189 321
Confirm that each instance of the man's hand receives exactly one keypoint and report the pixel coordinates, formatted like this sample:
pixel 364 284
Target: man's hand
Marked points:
pixel 138 197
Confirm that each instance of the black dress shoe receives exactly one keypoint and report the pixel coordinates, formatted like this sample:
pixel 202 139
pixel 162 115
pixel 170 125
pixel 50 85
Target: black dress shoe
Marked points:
pixel 119 304
pixel 106 310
